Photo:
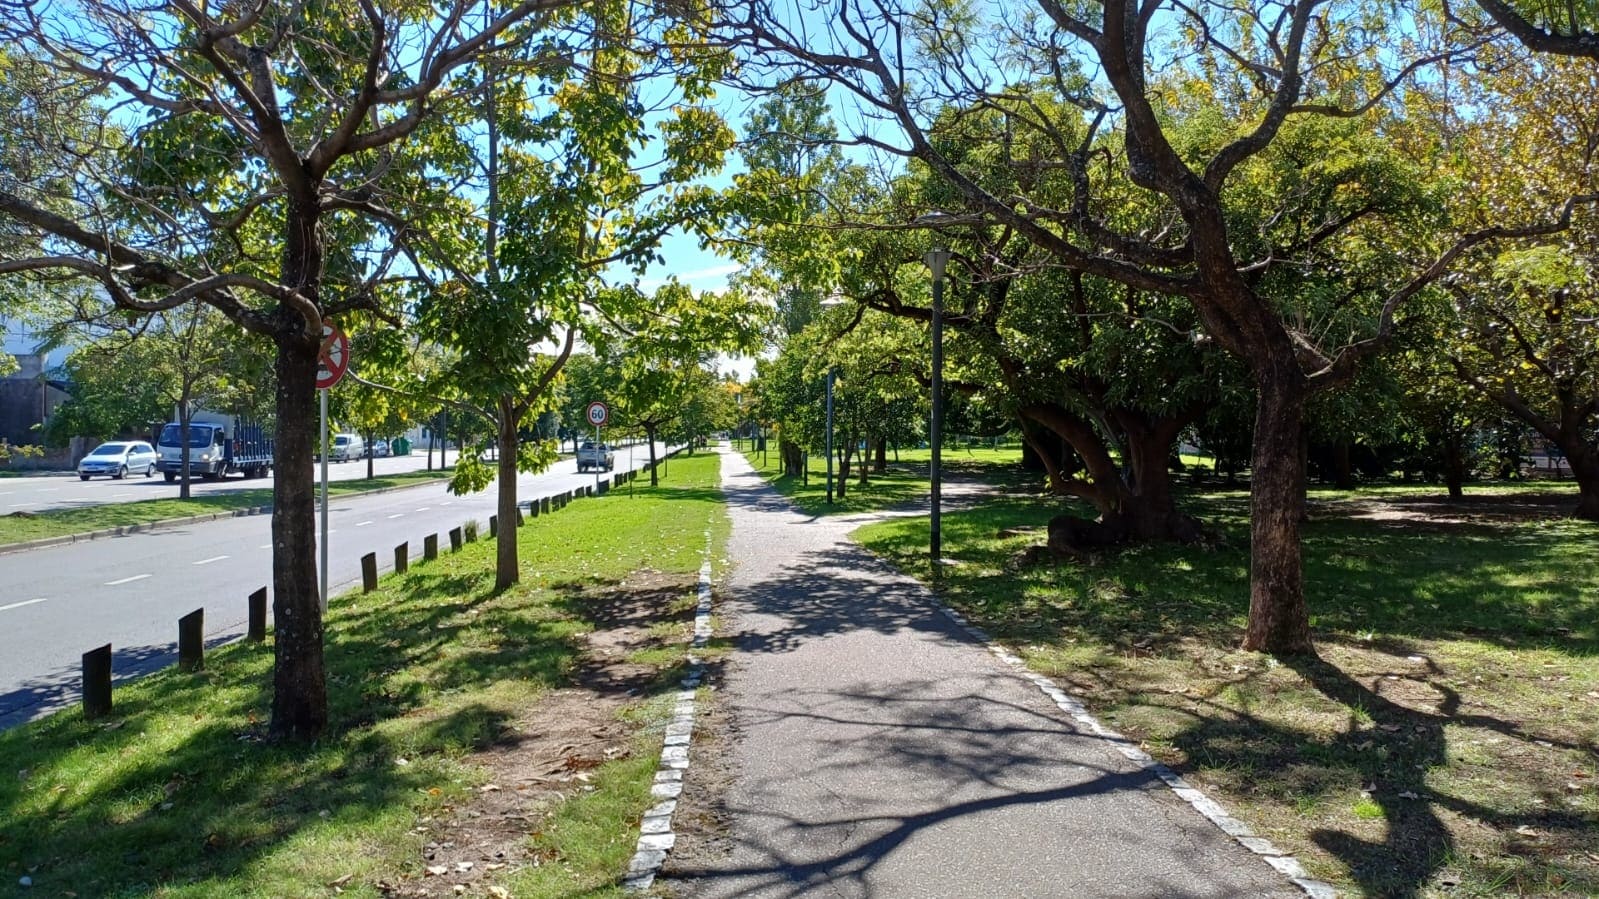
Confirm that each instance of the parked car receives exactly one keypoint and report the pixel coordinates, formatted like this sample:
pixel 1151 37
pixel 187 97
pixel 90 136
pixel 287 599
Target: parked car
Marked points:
pixel 380 449
pixel 590 455
pixel 347 447
pixel 118 459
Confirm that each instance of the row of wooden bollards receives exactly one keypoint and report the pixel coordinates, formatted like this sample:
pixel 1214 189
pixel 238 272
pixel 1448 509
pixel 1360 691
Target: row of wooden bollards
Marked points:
pixel 191 653
pixel 191 627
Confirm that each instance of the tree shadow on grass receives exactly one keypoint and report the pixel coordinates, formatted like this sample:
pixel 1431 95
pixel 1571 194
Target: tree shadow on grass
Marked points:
pixel 179 786
pixel 1383 586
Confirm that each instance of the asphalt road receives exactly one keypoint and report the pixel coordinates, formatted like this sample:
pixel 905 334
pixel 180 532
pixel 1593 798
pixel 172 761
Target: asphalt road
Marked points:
pixel 38 494
pixel 878 750
pixel 57 602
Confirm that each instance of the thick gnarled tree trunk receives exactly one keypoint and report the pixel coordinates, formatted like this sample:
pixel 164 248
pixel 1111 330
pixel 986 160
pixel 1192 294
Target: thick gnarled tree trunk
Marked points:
pixel 508 442
pixel 1279 620
pixel 1584 461
pixel 299 699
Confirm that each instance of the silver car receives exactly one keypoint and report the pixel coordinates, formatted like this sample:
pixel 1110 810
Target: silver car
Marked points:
pixel 119 459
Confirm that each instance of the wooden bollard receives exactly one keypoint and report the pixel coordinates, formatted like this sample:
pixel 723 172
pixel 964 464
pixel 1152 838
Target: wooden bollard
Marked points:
pixel 257 631
pixel 369 572
pixel 191 641
pixel 402 558
pixel 605 488
pixel 455 540
pixel 494 525
pixel 533 508
pixel 544 505
pixel 430 547
pixel 97 682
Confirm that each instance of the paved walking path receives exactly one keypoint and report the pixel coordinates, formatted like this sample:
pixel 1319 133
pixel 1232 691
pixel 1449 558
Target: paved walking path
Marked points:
pixel 877 750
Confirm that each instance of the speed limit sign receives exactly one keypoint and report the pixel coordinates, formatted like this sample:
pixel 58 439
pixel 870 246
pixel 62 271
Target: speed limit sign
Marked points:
pixel 598 413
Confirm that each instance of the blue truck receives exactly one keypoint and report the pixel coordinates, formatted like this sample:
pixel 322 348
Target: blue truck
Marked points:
pixel 219 445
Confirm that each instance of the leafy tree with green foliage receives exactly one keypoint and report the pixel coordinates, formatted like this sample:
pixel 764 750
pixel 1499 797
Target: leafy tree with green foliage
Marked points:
pixel 267 168
pixel 1302 301
pixel 569 192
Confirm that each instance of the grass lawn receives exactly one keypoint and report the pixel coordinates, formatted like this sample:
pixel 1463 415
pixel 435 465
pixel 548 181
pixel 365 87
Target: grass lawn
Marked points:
pixel 906 479
pixel 1447 741
pixel 515 734
pixel 60 522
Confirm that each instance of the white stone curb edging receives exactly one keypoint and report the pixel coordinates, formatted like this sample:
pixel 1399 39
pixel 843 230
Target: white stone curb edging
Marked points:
pixel 655 831
pixel 1238 830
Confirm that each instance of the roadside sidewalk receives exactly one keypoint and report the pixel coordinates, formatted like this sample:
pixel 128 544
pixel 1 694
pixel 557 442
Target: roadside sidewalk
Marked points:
pixel 877 749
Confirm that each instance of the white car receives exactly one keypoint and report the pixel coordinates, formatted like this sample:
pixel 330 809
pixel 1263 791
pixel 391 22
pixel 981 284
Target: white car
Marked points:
pixel 118 460
pixel 347 447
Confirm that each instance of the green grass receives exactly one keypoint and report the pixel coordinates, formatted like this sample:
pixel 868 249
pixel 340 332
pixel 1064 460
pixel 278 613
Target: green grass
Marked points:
pixel 177 795
pixel 905 481
pixel 1458 684
pixel 61 522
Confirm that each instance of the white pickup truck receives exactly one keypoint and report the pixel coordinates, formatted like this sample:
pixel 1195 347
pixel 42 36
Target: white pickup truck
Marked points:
pixel 595 456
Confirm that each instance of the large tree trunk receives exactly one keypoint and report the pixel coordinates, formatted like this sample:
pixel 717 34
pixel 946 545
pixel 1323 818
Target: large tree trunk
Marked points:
pixel 1144 509
pixel 881 464
pixel 793 458
pixel 299 697
pixel 1279 621
pixel 649 434
pixel 1584 461
pixel 506 570
pixel 299 676
pixel 183 453
pixel 1343 471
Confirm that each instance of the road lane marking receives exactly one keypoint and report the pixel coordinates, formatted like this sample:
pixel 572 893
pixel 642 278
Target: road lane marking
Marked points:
pixel 127 580
pixel 48 489
pixel 115 495
pixel 424 508
pixel 445 503
pixel 396 515
pixel 18 605
pixel 264 546
pixel 362 524
pixel 210 560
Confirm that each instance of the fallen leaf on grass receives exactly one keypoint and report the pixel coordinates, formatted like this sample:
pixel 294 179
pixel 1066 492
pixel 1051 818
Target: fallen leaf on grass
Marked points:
pixel 1406 794
pixel 499 893
pixel 1529 831
pixel 489 788
pixel 341 881
pixel 437 870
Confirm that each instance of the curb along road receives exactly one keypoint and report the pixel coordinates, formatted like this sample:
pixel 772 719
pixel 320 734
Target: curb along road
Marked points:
pixel 125 529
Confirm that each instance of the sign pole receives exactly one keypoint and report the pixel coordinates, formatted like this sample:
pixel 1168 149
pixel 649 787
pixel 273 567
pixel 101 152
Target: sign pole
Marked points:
pixel 323 541
pixel 598 469
pixel 333 360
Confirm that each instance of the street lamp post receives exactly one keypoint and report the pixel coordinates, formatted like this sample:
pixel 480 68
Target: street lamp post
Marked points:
pixel 936 260
pixel 829 435
pixel 832 301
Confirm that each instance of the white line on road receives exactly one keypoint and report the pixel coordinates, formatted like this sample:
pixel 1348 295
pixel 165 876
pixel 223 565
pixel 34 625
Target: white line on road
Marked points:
pixel 115 495
pixel 424 508
pixel 18 605
pixel 445 503
pixel 48 489
pixel 264 546
pixel 362 524
pixel 210 560
pixel 127 580
pixel 396 515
